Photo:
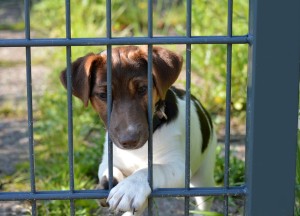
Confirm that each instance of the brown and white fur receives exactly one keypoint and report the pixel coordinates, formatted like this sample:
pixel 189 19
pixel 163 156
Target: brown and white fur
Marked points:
pixel 128 127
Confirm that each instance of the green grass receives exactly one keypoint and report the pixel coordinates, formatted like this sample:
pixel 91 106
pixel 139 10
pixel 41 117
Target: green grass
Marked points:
pixel 206 213
pixel 8 64
pixel 51 154
pixel 237 169
pixel 10 109
pixel 19 26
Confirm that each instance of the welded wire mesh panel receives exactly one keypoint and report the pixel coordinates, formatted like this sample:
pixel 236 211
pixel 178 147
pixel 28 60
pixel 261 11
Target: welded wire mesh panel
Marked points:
pixel 109 41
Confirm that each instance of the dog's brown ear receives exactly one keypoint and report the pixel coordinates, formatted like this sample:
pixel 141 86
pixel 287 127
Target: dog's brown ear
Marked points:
pixel 166 69
pixel 81 70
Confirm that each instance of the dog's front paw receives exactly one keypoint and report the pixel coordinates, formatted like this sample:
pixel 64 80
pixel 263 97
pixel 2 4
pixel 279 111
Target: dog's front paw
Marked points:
pixel 104 185
pixel 129 195
pixel 103 181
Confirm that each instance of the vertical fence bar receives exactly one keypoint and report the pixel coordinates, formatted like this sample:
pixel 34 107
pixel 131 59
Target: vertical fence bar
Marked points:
pixel 29 105
pixel 109 93
pixel 70 105
pixel 150 115
pixel 188 105
pixel 150 120
pixel 272 110
pixel 228 105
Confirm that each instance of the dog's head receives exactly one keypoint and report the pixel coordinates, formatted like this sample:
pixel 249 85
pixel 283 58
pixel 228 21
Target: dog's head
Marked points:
pixel 128 123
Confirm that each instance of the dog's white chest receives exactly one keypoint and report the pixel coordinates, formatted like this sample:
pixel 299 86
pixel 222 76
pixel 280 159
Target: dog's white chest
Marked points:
pixel 132 160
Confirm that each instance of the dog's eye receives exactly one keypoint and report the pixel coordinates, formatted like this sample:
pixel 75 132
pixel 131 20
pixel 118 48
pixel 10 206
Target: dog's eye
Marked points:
pixel 142 90
pixel 102 96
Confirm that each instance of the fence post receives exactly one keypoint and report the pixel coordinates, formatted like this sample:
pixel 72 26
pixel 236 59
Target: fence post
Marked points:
pixel 272 107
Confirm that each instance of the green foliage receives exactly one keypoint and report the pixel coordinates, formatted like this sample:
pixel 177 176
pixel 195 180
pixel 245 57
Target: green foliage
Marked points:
pixel 7 109
pixel 209 61
pixel 51 149
pixel 88 19
pixel 205 213
pixel 236 172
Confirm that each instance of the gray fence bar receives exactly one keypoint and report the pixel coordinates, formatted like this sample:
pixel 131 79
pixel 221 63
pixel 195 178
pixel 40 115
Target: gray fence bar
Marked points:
pixel 150 97
pixel 188 105
pixel 109 92
pixel 228 105
pixel 109 108
pixel 70 106
pixel 150 122
pixel 99 194
pixel 29 105
pixel 272 107
pixel 124 41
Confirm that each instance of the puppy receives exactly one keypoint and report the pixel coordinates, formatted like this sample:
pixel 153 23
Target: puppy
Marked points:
pixel 128 127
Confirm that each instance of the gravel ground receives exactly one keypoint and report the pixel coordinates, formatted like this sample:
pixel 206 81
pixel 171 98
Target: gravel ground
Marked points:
pixel 11 11
pixel 13 92
pixel 13 130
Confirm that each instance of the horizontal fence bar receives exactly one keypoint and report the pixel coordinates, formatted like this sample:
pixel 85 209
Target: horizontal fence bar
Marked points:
pixel 191 192
pixel 98 194
pixel 125 41
pixel 53 195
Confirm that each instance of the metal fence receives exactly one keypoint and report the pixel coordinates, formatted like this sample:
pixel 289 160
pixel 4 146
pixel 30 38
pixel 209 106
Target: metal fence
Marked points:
pixel 272 106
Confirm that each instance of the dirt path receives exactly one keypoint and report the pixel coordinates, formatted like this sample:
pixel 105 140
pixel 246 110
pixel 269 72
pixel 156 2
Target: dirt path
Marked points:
pixel 13 128
pixel 13 105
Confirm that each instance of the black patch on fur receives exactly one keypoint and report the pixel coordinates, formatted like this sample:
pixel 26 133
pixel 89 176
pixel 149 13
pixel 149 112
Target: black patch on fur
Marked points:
pixel 205 122
pixel 105 184
pixel 179 92
pixel 203 116
pixel 171 110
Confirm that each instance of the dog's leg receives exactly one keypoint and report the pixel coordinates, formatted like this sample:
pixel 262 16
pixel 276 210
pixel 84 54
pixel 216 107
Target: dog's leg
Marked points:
pixel 132 193
pixel 137 213
pixel 202 203
pixel 104 180
pixel 204 177
pixel 103 174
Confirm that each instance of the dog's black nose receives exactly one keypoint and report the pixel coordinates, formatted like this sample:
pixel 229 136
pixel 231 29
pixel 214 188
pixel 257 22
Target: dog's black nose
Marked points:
pixel 128 141
pixel 129 138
